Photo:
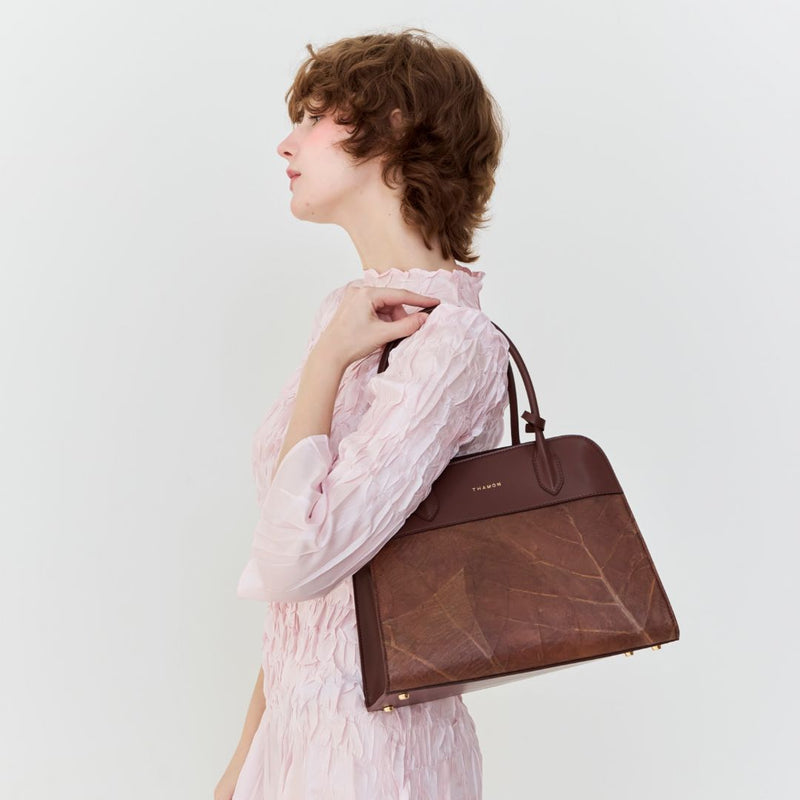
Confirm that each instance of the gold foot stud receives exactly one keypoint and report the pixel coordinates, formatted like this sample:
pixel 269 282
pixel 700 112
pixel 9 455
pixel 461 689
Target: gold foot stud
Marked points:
pixel 628 653
pixel 403 696
pixel 388 708
pixel 656 647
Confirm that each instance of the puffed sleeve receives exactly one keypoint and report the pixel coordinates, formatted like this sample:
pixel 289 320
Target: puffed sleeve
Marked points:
pixel 326 513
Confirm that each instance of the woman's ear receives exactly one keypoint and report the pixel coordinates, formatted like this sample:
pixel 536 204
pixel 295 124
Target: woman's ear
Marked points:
pixel 396 119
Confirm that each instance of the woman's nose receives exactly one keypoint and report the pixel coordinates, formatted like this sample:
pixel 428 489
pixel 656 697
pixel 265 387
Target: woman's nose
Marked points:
pixel 286 147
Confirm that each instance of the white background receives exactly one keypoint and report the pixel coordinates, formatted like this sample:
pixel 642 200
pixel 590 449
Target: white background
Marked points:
pixel 156 292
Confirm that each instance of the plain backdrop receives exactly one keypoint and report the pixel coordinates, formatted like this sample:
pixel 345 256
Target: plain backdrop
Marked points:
pixel 156 292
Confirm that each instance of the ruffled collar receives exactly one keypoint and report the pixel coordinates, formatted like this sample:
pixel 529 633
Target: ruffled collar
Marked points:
pixel 460 286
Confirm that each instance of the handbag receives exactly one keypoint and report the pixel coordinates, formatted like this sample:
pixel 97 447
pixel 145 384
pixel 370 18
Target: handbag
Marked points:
pixel 521 559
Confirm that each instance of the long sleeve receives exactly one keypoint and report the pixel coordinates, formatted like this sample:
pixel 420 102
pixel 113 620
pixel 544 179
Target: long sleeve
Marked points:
pixel 327 514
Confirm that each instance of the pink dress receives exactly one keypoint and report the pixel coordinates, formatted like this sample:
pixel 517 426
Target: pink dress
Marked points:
pixel 334 502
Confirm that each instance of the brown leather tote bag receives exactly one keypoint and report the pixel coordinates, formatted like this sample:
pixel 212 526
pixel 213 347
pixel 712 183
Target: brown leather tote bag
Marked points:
pixel 520 560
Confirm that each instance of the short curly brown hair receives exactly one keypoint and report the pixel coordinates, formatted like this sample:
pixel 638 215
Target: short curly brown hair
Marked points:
pixel 448 146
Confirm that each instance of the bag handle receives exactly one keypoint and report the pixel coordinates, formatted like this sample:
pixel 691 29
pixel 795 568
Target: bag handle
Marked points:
pixel 545 467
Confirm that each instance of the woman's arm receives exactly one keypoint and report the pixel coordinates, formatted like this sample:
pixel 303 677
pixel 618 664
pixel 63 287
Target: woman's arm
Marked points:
pixel 227 783
pixel 328 511
pixel 254 713
pixel 316 395
pixel 355 331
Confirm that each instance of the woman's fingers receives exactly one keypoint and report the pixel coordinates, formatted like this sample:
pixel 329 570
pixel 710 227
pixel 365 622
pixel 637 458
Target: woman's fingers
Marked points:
pixel 403 323
pixel 393 300
pixel 369 317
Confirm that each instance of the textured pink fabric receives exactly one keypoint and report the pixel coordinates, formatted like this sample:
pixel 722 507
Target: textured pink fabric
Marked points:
pixel 332 504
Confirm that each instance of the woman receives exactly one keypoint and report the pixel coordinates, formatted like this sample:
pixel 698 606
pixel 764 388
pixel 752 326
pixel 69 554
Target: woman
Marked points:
pixel 396 140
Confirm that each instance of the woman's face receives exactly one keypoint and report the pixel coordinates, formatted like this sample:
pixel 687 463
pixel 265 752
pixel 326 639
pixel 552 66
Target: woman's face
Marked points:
pixel 329 187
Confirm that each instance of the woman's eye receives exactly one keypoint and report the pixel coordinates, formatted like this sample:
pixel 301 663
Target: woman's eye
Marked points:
pixel 303 116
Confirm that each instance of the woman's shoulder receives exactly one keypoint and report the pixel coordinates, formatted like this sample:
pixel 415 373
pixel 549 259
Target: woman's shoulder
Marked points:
pixel 451 333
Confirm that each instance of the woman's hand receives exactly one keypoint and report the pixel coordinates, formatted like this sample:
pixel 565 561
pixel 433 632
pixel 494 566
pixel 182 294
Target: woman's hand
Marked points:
pixel 369 317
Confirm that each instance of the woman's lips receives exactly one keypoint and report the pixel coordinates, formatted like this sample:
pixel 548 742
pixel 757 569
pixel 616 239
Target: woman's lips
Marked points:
pixel 293 174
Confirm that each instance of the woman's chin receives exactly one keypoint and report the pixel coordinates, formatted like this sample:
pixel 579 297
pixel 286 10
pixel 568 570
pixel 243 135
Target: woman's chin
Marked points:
pixel 303 210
